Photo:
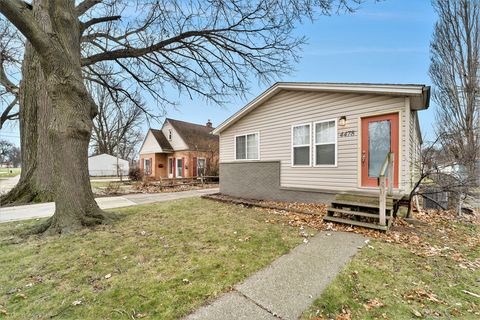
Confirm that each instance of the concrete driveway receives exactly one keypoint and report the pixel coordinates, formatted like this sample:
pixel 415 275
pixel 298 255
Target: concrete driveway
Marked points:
pixel 43 210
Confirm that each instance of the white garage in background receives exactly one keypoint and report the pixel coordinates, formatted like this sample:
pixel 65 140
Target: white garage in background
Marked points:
pixel 106 165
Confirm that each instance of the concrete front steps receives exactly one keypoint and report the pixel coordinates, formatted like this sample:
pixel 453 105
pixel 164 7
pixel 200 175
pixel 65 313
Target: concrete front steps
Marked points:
pixel 361 210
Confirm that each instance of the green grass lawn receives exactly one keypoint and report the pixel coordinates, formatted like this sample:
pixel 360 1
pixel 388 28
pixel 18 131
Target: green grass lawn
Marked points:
pixel 158 261
pixel 420 279
pixel 9 172
pixel 104 184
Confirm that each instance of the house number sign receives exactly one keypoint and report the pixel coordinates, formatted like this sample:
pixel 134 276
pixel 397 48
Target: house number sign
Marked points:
pixel 349 133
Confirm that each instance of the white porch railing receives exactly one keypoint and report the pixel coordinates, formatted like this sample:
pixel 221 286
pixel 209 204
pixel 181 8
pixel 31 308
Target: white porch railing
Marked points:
pixel 386 175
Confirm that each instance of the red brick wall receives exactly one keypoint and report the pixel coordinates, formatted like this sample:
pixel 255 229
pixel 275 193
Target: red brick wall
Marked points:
pixel 160 162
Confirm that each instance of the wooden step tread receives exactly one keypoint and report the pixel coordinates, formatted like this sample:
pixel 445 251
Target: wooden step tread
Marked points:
pixel 359 204
pixel 356 223
pixel 363 198
pixel 358 213
pixel 367 194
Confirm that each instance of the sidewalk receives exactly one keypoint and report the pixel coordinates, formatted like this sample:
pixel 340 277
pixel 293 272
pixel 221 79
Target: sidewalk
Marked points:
pixel 288 286
pixel 43 210
pixel 6 184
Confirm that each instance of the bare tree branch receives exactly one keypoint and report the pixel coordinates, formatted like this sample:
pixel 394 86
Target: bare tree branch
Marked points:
pixel 19 13
pixel 91 22
pixel 86 5
pixel 455 72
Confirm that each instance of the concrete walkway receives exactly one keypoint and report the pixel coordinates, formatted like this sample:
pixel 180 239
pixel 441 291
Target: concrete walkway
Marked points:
pixel 288 286
pixel 43 210
pixel 6 184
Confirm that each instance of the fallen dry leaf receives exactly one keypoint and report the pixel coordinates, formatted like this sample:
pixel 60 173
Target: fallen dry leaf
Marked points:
pixel 345 315
pixel 416 313
pixel 471 293
pixel 140 315
pixel 373 303
pixel 420 294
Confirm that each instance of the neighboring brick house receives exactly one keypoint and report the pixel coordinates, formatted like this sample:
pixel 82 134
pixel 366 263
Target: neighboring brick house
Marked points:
pixel 180 150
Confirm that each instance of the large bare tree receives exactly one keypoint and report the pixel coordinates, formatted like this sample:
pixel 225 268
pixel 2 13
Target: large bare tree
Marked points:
pixel 208 48
pixel 11 49
pixel 117 127
pixel 455 72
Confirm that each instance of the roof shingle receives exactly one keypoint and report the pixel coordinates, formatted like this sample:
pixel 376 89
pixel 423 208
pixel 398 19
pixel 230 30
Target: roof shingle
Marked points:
pixel 162 140
pixel 196 136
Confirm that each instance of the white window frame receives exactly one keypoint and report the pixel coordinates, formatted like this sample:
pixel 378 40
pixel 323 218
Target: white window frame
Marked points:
pixel 204 159
pixel 315 144
pixel 176 167
pixel 309 145
pixel 169 134
pixel 145 160
pixel 170 173
pixel 246 149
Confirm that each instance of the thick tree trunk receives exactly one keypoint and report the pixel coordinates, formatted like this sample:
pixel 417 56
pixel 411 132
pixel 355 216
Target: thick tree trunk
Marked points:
pixel 36 183
pixel 71 124
pixel 67 123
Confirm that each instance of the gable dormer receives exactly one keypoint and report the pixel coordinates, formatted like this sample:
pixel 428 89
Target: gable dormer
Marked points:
pixel 173 137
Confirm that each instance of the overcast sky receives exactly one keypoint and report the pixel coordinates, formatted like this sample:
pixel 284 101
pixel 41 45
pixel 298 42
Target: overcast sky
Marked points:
pixel 383 42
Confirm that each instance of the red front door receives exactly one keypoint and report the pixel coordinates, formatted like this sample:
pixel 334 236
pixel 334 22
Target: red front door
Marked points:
pixel 380 135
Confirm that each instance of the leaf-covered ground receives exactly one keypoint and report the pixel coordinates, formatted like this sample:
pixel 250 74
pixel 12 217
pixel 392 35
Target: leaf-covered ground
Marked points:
pixel 427 271
pixel 158 261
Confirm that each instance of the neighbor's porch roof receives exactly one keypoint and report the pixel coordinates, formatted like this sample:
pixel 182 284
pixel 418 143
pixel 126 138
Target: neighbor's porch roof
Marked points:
pixel 419 94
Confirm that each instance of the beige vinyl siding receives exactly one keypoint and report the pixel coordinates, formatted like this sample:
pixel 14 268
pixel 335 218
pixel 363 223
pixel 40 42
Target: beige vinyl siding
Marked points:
pixel 275 117
pixel 415 150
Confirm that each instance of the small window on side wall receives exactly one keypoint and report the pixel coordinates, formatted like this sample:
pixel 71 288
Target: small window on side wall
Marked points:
pixel 326 143
pixel 147 166
pixel 247 147
pixel 301 145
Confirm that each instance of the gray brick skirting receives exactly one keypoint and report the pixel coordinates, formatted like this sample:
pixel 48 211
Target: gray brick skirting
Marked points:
pixel 261 180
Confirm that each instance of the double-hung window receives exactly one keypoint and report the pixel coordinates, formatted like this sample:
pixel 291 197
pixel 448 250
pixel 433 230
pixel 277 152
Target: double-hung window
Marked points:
pixel 301 145
pixel 179 167
pixel 326 143
pixel 147 166
pixel 201 167
pixel 247 147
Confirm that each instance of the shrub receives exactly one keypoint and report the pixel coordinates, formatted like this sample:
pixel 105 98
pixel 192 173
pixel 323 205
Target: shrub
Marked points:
pixel 112 188
pixel 135 174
